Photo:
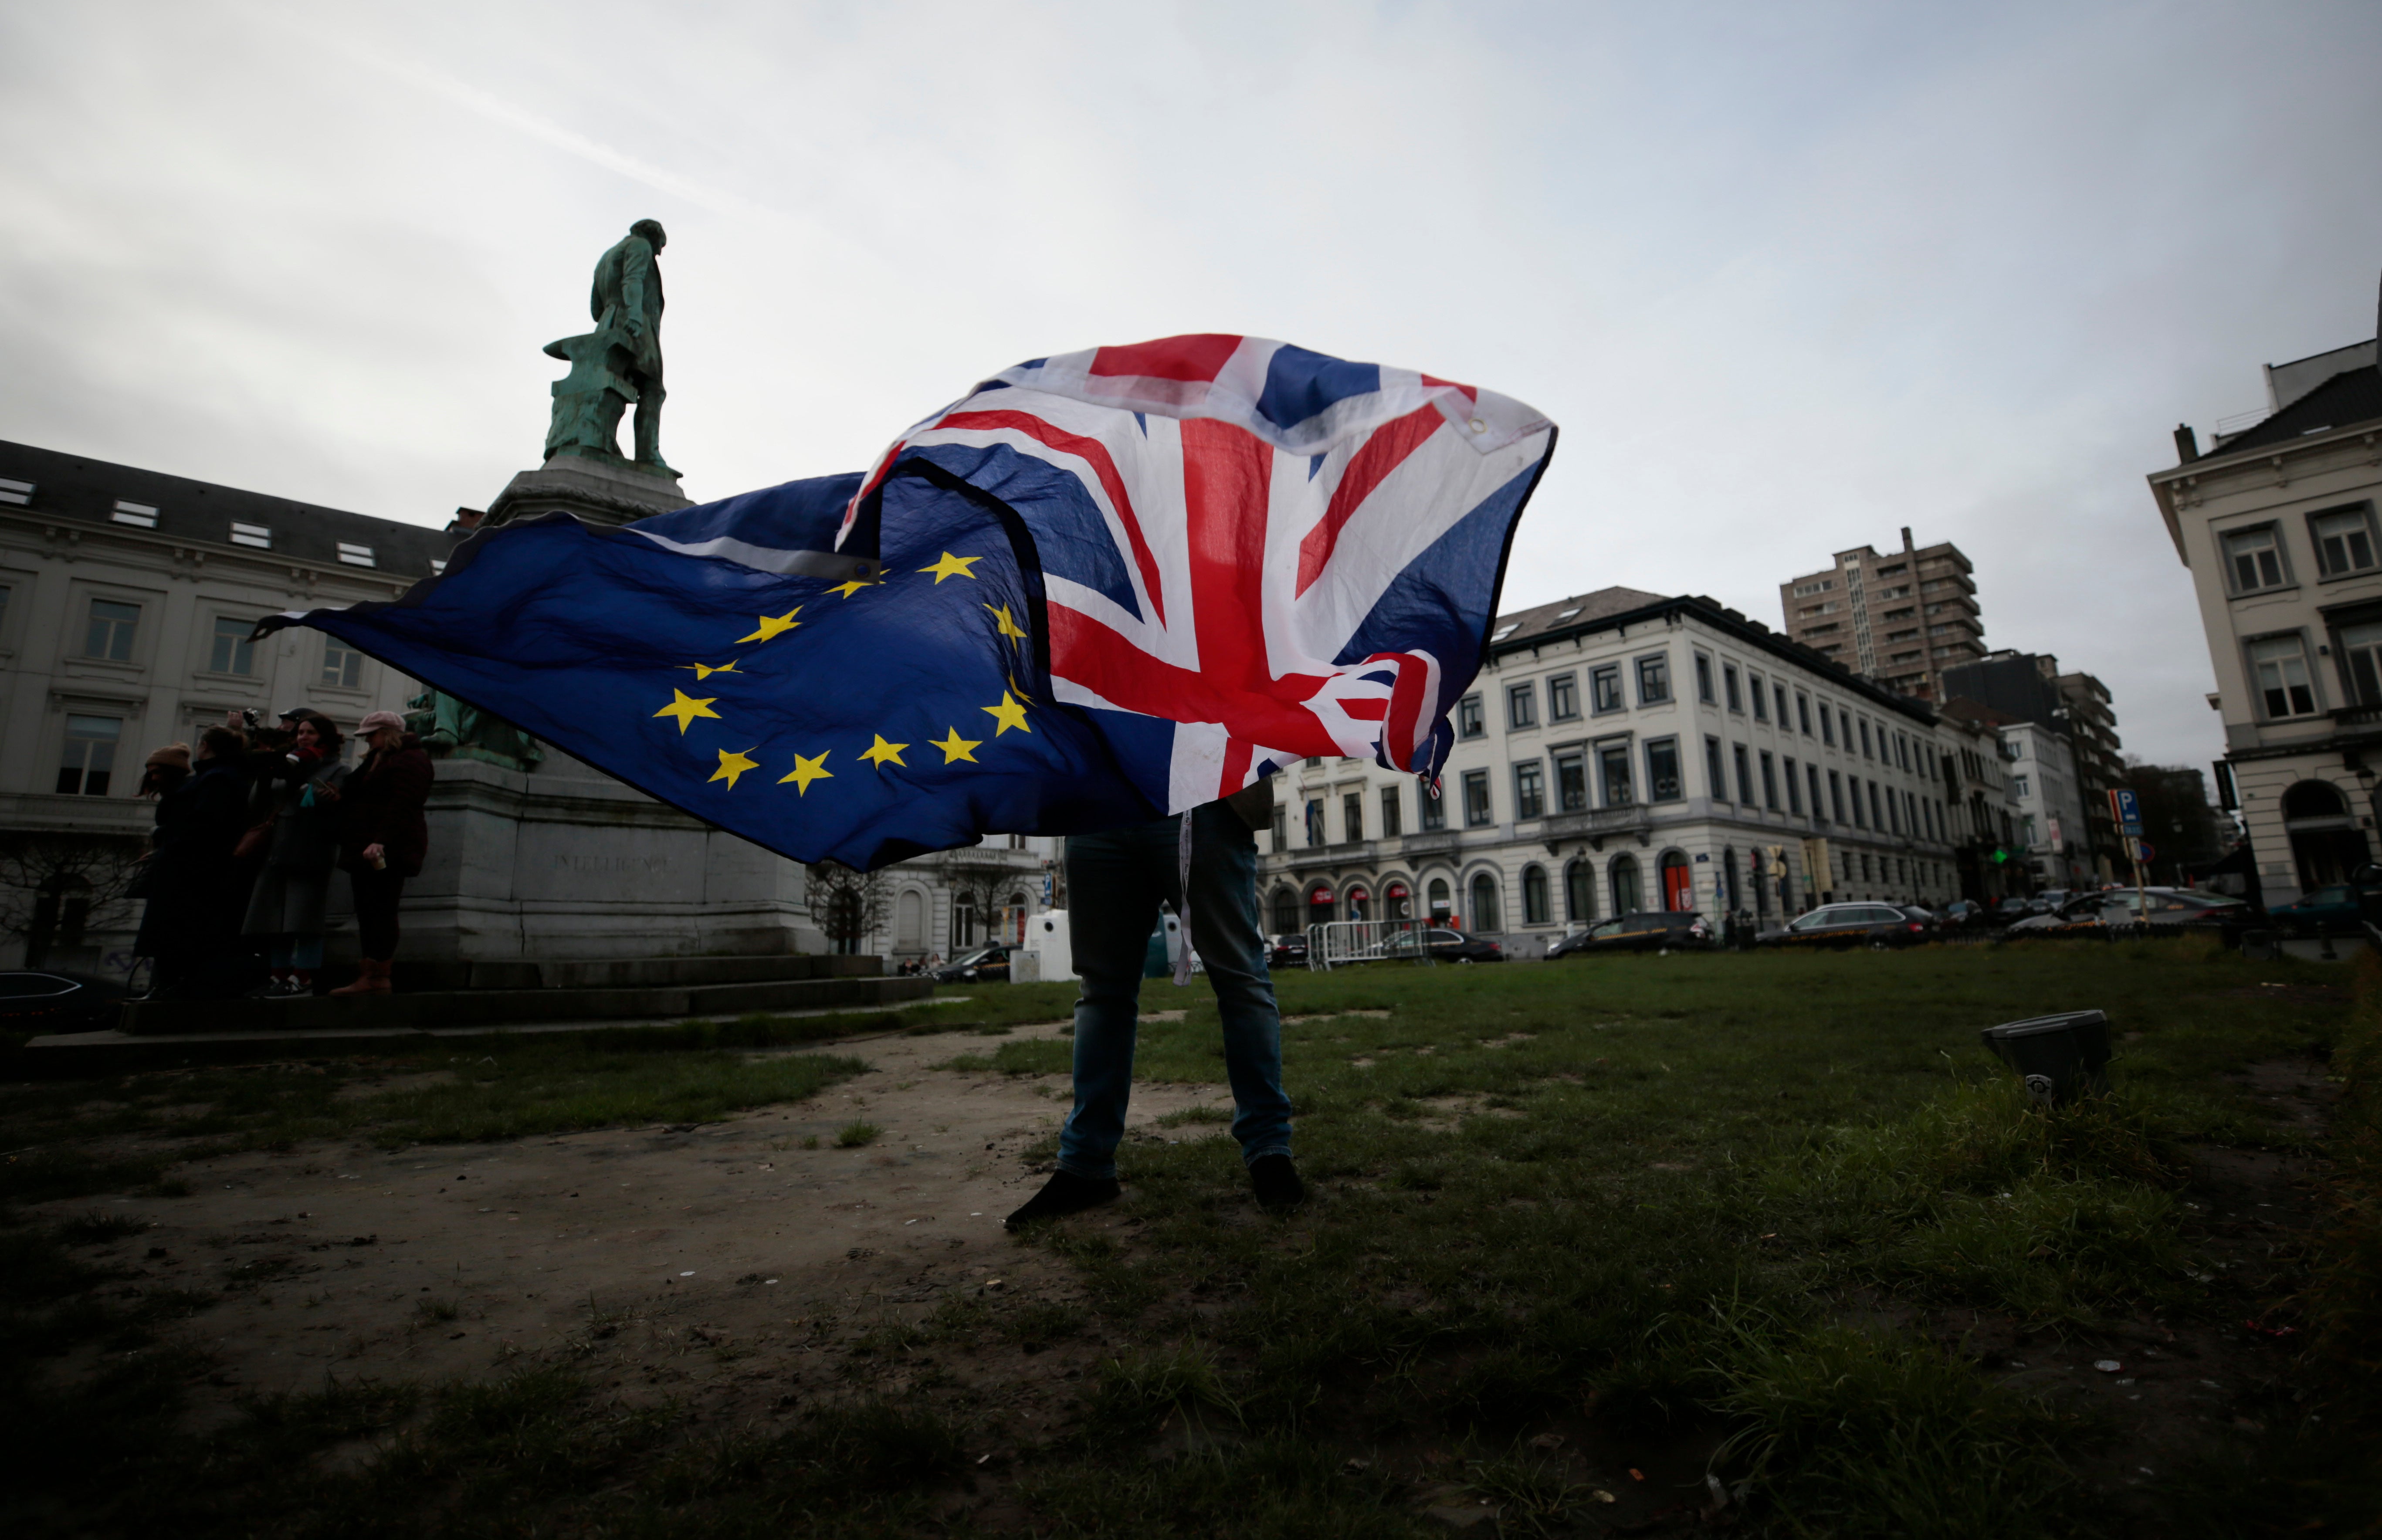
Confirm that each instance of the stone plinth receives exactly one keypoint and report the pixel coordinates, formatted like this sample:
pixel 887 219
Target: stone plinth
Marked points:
pixel 597 489
pixel 564 863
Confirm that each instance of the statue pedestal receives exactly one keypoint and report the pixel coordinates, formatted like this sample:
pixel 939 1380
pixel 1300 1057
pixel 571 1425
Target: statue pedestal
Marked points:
pixel 561 862
pixel 565 863
pixel 599 489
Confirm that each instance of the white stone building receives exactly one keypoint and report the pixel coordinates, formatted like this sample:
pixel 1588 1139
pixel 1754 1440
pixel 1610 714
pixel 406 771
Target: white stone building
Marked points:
pixel 2049 796
pixel 1623 750
pixel 126 601
pixel 2277 522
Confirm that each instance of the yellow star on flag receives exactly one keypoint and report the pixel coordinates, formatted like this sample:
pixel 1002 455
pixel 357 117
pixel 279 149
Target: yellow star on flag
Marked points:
pixel 1008 714
pixel 953 567
pixel 1008 627
pixel 686 708
pixel 847 590
pixel 807 771
pixel 732 764
pixel 957 748
pixel 882 753
pixel 703 671
pixel 773 626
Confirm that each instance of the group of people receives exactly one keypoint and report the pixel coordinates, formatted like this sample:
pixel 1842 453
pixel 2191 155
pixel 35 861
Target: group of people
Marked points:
pixel 249 831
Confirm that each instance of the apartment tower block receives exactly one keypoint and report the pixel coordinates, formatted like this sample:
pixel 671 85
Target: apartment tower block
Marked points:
pixel 1900 619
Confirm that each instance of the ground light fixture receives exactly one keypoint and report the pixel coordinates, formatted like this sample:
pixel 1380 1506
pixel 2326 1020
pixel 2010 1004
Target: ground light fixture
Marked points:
pixel 2060 1058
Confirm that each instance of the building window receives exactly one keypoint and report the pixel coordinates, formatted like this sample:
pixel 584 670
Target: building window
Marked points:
pixel 232 653
pixel 1476 798
pixel 1744 775
pixel 1703 678
pixel 355 556
pixel 1436 894
pixel 1563 698
pixel 90 757
pixel 1827 727
pixel 1579 892
pixel 1867 752
pixel 17 493
pixel 1714 771
pixel 1877 821
pixel 1486 915
pixel 2360 661
pixel 1902 752
pixel 141 516
pixel 1604 687
pixel 1285 911
pixel 1529 789
pixel 1654 679
pixel 1521 705
pixel 1760 701
pixel 1571 781
pixel 1663 781
pixel 2254 560
pixel 1861 820
pixel 1280 829
pixel 2344 541
pixel 1467 718
pixel 1728 680
pixel 1811 779
pixel 1434 811
pixel 1844 720
pixel 1627 898
pixel 342 666
pixel 110 634
pixel 1612 764
pixel 1779 691
pixel 2279 664
pixel 1794 791
pixel 256 537
pixel 1393 825
pixel 1769 780
pixel 1351 815
pixel 1315 834
pixel 1534 895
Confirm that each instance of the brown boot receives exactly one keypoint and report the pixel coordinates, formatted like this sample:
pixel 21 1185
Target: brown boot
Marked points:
pixel 365 980
pixel 380 976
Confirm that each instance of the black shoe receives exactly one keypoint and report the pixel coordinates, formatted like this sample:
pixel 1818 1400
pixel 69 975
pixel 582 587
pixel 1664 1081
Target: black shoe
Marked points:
pixel 1276 1180
pixel 1065 1192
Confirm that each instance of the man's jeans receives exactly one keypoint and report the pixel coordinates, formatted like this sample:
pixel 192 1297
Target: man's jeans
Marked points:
pixel 1115 881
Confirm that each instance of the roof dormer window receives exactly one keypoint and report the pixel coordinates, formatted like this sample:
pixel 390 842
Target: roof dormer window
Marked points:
pixel 1567 615
pixel 254 536
pixel 356 555
pixel 1506 629
pixel 141 516
pixel 18 493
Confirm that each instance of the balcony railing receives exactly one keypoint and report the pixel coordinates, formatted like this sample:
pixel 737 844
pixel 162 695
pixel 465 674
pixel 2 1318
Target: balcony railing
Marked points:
pixel 1598 822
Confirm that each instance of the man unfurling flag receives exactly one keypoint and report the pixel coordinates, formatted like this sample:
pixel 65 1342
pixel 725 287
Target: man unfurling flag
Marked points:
pixel 1099 588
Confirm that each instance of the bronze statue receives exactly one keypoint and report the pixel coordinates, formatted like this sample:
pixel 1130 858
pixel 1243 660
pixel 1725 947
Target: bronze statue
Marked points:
pixel 453 728
pixel 620 361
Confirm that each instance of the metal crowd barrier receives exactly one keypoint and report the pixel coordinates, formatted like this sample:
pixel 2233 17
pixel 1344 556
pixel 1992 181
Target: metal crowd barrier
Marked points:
pixel 1336 942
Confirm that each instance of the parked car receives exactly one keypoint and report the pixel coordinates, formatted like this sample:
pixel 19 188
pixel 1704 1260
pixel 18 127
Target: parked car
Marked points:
pixel 45 1000
pixel 1925 916
pixel 985 965
pixel 1441 946
pixel 2009 910
pixel 1655 931
pixel 1965 914
pixel 2332 910
pixel 2093 914
pixel 1287 951
pixel 1839 926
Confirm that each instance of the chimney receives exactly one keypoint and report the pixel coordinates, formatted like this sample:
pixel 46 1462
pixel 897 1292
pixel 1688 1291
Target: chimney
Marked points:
pixel 466 520
pixel 2186 444
pixel 1906 540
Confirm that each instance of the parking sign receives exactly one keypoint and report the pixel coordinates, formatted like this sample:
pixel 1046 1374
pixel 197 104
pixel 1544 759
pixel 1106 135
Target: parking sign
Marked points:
pixel 2126 809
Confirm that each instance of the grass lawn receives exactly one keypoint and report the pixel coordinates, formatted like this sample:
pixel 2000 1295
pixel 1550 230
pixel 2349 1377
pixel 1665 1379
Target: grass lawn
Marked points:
pixel 1657 1243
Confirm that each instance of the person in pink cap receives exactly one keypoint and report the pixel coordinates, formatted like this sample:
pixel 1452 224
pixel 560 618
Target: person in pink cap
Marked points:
pixel 382 839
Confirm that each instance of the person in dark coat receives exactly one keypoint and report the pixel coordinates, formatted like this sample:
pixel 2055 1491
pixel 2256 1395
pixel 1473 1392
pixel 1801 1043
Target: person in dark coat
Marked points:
pixel 382 839
pixel 287 905
pixel 186 927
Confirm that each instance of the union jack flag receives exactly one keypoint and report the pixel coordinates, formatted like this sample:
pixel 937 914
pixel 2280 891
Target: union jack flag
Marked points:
pixel 1279 553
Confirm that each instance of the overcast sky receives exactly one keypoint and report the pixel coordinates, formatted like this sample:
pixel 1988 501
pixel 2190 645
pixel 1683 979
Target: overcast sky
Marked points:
pixel 1789 276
